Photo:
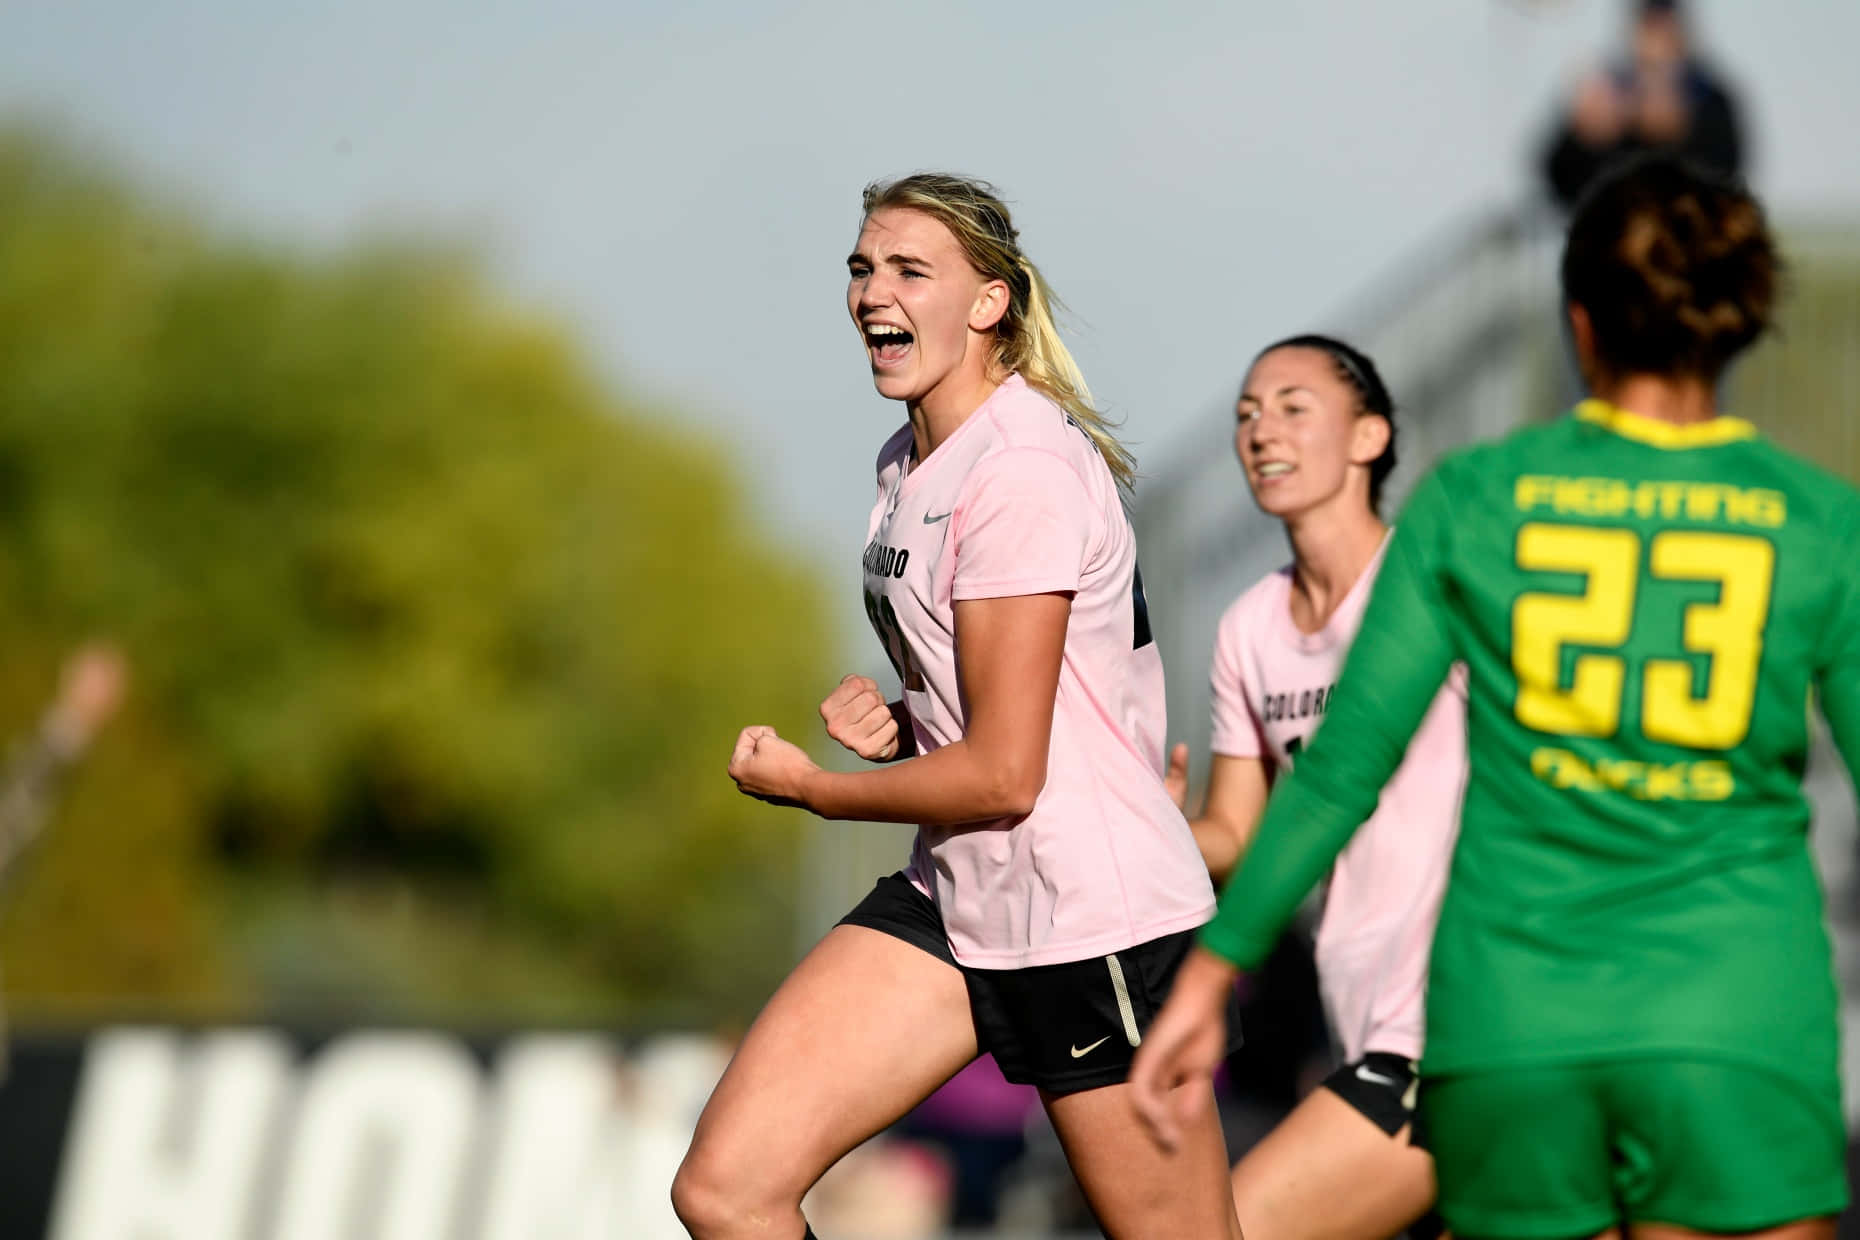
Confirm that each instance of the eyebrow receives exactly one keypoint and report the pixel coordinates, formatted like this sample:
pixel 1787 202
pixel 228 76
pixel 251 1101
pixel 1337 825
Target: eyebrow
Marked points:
pixel 896 260
pixel 1287 390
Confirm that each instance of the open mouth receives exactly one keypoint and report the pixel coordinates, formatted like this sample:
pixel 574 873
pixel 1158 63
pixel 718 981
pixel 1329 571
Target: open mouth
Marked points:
pixel 1271 471
pixel 887 343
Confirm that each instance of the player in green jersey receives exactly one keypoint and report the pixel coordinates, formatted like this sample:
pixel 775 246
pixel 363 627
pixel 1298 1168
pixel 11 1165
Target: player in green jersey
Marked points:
pixel 1631 1016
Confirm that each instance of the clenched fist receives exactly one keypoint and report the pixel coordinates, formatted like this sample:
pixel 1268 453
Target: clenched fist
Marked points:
pixel 770 769
pixel 858 717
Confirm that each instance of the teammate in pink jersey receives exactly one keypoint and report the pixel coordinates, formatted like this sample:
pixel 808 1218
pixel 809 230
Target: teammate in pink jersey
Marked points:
pixel 1054 886
pixel 1316 439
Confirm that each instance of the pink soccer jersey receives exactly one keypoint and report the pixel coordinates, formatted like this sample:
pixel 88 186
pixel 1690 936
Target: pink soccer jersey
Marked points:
pixel 1271 686
pixel 1018 501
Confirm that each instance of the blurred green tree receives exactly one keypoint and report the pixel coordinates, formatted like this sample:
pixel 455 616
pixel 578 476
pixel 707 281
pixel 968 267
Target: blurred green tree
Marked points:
pixel 439 647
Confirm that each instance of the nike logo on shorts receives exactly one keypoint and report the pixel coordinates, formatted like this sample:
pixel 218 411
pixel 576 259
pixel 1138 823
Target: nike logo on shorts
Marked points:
pixel 1365 1073
pixel 1080 1053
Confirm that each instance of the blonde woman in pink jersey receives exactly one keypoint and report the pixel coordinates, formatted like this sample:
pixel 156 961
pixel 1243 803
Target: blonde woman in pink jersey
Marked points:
pixel 1316 439
pixel 1054 885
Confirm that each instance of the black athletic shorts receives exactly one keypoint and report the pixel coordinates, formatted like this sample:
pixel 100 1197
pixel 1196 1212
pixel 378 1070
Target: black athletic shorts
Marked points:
pixel 1063 1027
pixel 1381 1086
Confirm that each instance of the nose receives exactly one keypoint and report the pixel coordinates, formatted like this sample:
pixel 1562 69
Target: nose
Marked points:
pixel 874 292
pixel 1260 430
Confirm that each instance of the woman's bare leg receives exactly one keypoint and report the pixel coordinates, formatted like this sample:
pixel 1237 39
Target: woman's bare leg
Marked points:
pixel 1137 1191
pixel 1328 1173
pixel 864 1028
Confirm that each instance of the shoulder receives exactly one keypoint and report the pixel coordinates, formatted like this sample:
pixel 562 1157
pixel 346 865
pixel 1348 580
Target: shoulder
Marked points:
pixel 1519 449
pixel 1798 472
pixel 1023 419
pixel 1474 472
pixel 895 450
pixel 1813 494
pixel 1467 465
pixel 1255 603
pixel 1028 438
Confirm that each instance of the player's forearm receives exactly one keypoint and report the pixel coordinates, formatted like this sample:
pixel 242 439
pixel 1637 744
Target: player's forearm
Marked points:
pixel 953 784
pixel 1222 844
pixel 1311 817
pixel 1204 981
pixel 1296 845
pixel 1219 850
pixel 1395 668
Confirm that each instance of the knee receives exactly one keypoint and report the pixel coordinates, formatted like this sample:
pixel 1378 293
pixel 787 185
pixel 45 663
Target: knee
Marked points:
pixel 710 1202
pixel 699 1198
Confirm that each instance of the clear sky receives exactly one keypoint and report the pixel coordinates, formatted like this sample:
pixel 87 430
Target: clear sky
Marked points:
pixel 681 180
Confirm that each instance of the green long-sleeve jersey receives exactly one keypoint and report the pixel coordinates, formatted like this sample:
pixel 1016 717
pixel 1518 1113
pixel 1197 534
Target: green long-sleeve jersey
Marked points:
pixel 1643 610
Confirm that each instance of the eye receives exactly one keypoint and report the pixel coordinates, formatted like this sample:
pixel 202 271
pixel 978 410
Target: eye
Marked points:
pixel 911 273
pixel 1243 415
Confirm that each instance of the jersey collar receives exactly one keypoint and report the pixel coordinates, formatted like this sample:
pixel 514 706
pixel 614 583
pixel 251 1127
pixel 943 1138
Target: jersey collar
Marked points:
pixel 1721 429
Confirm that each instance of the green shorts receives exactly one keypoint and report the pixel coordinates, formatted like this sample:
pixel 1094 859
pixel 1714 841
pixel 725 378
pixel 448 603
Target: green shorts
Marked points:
pixel 1547 1153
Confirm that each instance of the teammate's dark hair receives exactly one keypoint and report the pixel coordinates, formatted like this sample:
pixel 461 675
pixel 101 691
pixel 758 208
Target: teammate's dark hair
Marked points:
pixel 1355 369
pixel 1675 267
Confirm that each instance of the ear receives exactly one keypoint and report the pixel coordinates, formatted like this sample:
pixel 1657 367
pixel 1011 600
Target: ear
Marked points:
pixel 1582 340
pixel 1369 438
pixel 991 302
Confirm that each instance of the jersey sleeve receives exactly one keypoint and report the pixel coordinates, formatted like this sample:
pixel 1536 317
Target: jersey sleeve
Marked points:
pixel 1402 652
pixel 1023 524
pixel 1237 731
pixel 1837 679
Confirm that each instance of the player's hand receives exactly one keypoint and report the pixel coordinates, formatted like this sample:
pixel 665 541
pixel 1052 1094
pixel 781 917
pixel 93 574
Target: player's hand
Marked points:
pixel 770 769
pixel 1175 779
pixel 858 717
pixel 1172 1078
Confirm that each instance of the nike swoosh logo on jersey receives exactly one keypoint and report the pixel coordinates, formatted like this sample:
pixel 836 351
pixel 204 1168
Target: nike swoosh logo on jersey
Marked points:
pixel 1365 1073
pixel 930 520
pixel 1080 1054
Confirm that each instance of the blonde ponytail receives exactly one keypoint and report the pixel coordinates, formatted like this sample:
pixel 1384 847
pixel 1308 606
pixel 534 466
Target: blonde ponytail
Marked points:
pixel 1046 364
pixel 1028 341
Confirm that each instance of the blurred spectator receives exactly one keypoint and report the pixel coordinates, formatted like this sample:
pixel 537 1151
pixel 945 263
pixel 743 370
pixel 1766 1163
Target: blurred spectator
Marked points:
pixel 1662 97
pixel 90 688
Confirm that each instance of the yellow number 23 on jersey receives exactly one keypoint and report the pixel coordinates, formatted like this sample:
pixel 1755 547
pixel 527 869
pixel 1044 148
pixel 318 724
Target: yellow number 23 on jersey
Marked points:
pixel 1728 630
